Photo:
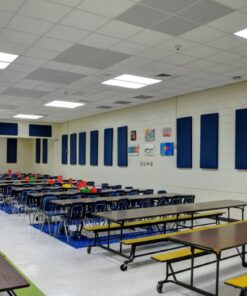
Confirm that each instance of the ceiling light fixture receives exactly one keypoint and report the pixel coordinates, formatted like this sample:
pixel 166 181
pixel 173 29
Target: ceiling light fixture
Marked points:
pixel 241 33
pixel 28 116
pixel 64 104
pixel 3 65
pixel 7 57
pixel 131 81
pixel 126 84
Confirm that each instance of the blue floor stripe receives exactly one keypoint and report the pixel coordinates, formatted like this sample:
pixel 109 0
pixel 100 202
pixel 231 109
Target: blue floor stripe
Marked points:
pixel 84 242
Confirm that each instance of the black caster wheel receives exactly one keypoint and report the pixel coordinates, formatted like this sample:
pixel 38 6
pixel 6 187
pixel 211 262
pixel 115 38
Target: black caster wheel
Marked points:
pixel 89 250
pixel 124 267
pixel 159 287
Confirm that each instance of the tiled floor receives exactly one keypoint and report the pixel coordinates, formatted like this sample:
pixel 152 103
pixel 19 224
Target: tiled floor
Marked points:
pixel 59 270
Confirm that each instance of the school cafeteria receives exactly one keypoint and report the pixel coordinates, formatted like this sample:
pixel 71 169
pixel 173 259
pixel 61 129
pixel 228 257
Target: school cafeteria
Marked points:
pixel 123 140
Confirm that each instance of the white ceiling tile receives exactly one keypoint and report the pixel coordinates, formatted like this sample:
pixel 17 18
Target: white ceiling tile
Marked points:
pixel 227 42
pixel 220 69
pixel 240 63
pixel 44 10
pixel 203 34
pixel 119 29
pixel 18 37
pixel 108 8
pixel 41 53
pixel 22 68
pixel 100 41
pixel 150 37
pixel 175 43
pixel 5 17
pixel 30 61
pixel 57 66
pixel 155 53
pixel 180 59
pixel 201 51
pixel 52 44
pixel 11 5
pixel 223 57
pixel 200 64
pixel 67 33
pixel 12 47
pixel 138 61
pixel 84 20
pixel 29 25
pixel 241 50
pixel 83 70
pixel 70 3
pixel 231 23
pixel 236 4
pixel 159 67
pixel 128 47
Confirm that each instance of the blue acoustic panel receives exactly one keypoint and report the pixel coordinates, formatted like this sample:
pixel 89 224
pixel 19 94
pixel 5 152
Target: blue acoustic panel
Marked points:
pixel 108 146
pixel 241 139
pixel 82 148
pixel 122 140
pixel 209 141
pixel 11 150
pixel 36 130
pixel 45 151
pixel 184 142
pixel 94 135
pixel 73 148
pixel 37 151
pixel 64 149
pixel 8 129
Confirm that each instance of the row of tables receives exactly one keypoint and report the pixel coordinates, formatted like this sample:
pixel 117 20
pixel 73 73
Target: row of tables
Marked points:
pixel 212 241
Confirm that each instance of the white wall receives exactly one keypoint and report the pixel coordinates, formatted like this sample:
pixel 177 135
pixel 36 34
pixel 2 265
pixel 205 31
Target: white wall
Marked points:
pixel 49 167
pixel 226 182
pixel 24 160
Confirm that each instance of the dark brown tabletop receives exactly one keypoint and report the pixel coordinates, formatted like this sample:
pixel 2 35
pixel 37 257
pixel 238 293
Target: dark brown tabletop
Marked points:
pixel 10 279
pixel 70 202
pixel 58 193
pixel 121 216
pixel 217 239
pixel 38 187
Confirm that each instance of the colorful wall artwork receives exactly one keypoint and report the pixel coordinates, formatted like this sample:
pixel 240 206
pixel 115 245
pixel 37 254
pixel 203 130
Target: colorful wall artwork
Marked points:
pixel 133 150
pixel 133 136
pixel 167 132
pixel 149 149
pixel 149 135
pixel 166 149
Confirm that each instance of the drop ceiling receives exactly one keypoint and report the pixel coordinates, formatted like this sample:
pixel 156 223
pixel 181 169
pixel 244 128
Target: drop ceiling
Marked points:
pixel 67 48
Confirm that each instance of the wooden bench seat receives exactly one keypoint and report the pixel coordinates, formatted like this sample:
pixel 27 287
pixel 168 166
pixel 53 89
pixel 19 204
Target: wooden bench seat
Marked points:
pixel 239 282
pixel 153 221
pixel 179 255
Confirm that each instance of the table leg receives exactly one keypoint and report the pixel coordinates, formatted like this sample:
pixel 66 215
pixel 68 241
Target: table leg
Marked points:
pixel 218 256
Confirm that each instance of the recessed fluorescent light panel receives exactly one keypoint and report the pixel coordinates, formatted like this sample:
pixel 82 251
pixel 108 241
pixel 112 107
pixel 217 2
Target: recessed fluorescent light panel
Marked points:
pixel 131 81
pixel 123 84
pixel 6 59
pixel 64 104
pixel 242 33
pixel 3 65
pixel 28 116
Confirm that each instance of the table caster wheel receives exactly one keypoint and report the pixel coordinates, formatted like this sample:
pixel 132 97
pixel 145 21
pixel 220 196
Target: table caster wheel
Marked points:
pixel 159 287
pixel 124 267
pixel 89 250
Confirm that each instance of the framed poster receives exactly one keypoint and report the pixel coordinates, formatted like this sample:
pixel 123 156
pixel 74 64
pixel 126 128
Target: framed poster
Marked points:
pixel 167 132
pixel 133 136
pixel 149 135
pixel 166 149
pixel 133 150
pixel 149 149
